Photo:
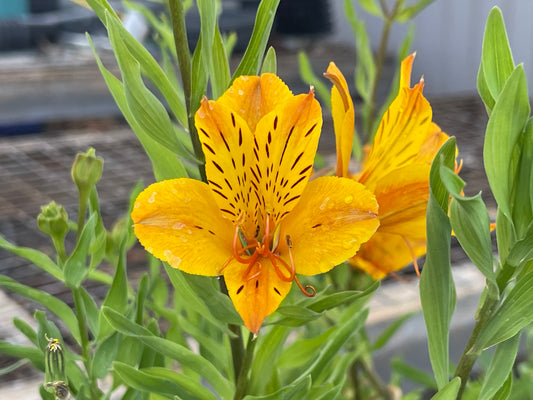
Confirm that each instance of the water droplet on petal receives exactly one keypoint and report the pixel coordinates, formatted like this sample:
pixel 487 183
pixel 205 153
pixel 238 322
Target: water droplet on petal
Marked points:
pixel 241 92
pixel 171 258
pixel 324 204
pixel 149 249
pixel 151 199
pixel 348 244
pixel 178 225
pixel 348 199
pixel 137 204
pixel 244 78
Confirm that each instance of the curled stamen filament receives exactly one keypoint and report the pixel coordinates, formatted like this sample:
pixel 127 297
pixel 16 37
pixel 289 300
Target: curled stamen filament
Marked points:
pixel 309 290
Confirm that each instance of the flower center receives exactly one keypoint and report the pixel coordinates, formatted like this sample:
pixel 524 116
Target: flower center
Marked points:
pixel 248 254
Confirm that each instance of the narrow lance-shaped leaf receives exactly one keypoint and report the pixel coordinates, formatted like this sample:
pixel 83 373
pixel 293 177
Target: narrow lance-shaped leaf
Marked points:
pixel 437 290
pixel 165 164
pixel 269 63
pixel 496 58
pixel 514 313
pixel 506 123
pixel 470 222
pixel 449 392
pixel 147 110
pixel 500 367
pixel 253 56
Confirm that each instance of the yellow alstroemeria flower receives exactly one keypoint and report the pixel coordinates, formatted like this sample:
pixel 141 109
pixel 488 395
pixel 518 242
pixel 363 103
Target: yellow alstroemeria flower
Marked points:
pixel 258 221
pixel 396 170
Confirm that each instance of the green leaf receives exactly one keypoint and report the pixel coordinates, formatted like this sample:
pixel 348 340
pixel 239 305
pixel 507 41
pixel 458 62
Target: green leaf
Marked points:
pixel 506 123
pixel 268 349
pixel 302 350
pixel 117 296
pixel 220 77
pixel 471 224
pixel 170 349
pixel 26 329
pixel 522 201
pixel 148 64
pixel 413 374
pixel 449 391
pixel 324 302
pixel 253 56
pixel 164 161
pixel 437 290
pixel 309 77
pixel 146 109
pixel 505 390
pixel 191 298
pixel 298 390
pixel 90 310
pixel 270 63
pixel 483 89
pixel 410 12
pixel 371 7
pixel 294 315
pixel 500 367
pixel 386 335
pixel 37 258
pixel 33 354
pixel 56 306
pixel 496 58
pixel 345 330
pixel 169 384
pixel 76 268
pixel 522 250
pixel 104 355
pixel 514 313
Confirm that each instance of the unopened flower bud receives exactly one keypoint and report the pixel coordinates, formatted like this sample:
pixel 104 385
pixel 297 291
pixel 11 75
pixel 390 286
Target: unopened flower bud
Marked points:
pixel 53 220
pixel 86 170
pixel 55 361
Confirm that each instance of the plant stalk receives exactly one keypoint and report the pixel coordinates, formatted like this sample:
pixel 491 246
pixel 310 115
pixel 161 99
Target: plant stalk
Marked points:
pixel 471 353
pixel 85 345
pixel 177 16
pixel 242 379
pixel 82 210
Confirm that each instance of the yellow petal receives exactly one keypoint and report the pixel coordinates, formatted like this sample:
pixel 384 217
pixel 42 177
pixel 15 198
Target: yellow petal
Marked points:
pixel 252 97
pixel 257 294
pixel 284 149
pixel 227 145
pixel 329 224
pixel 343 118
pixel 402 197
pixel 400 135
pixel 434 140
pixel 178 221
pixel 385 253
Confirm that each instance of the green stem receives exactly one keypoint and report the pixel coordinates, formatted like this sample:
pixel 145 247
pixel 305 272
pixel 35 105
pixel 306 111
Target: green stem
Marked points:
pixel 471 352
pixel 59 245
pixel 374 379
pixel 177 16
pixel 242 379
pixel 85 345
pixel 82 209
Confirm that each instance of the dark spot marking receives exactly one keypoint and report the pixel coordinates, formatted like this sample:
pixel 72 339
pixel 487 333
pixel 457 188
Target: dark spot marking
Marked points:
pixel 291 199
pixel 211 232
pixel 255 143
pixel 243 159
pixel 227 183
pixel 256 155
pixel 277 291
pixel 269 138
pixel 242 286
pixel 297 182
pixel 275 122
pixel 240 136
pixel 209 148
pixel 316 226
pixel 282 215
pixel 227 211
pixel 224 140
pixel 220 193
pixel 267 150
pixel 310 130
pixel 217 166
pixel 204 132
pixel 214 184
pixel 256 284
pixel 286 143
pixel 303 171
pixel 297 159
pixel 233 119
pixel 198 227
pixel 255 176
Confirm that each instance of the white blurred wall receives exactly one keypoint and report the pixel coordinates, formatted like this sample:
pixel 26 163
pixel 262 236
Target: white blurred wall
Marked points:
pixel 448 39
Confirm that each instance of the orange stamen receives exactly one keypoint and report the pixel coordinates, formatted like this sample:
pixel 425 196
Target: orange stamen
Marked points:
pixel 305 291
